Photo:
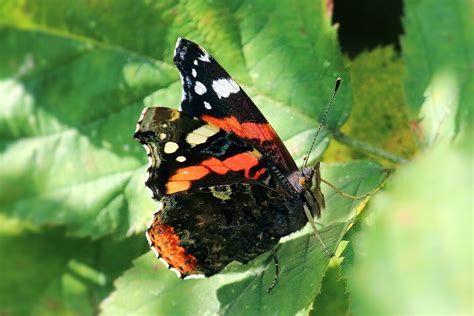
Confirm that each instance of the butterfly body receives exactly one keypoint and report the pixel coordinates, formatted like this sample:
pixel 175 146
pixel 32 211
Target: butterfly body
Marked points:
pixel 229 189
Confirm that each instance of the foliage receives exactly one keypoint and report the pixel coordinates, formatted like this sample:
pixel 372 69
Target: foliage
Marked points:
pixel 74 77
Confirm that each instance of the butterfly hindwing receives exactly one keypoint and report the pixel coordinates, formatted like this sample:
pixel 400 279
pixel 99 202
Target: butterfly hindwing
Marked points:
pixel 200 231
pixel 212 95
pixel 186 152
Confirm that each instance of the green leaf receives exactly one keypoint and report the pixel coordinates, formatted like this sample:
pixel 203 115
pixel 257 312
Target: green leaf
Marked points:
pixel 334 298
pixel 414 255
pixel 45 272
pixel 241 289
pixel 75 76
pixel 438 50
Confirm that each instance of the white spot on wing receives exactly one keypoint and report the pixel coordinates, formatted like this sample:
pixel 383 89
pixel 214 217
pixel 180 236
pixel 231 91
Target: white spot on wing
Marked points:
pixel 150 192
pixel 162 136
pixel 205 57
pixel 206 130
pixel 157 254
pixel 183 93
pixel 170 147
pixel 193 72
pixel 167 265
pixel 176 271
pixel 194 276
pixel 140 119
pixel 148 238
pixel 147 149
pixel 178 41
pixel 195 139
pixel 224 87
pixel 199 88
pixel 207 105
pixel 195 62
pixel 142 114
pixel 180 159
pixel 201 134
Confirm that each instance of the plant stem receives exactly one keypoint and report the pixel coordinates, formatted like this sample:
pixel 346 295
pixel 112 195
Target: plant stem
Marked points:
pixel 367 148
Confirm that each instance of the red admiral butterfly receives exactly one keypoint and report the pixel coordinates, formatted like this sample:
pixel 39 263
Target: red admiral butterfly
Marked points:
pixel 229 188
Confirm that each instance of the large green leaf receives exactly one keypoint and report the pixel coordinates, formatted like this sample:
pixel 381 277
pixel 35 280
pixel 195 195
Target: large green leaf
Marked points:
pixel 74 77
pixel 414 255
pixel 438 52
pixel 149 288
pixel 45 273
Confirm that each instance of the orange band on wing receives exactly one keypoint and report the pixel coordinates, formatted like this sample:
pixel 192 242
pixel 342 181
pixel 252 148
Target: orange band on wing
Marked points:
pixel 177 186
pixel 190 173
pixel 243 161
pixel 215 165
pixel 261 131
pixel 182 179
pixel 164 239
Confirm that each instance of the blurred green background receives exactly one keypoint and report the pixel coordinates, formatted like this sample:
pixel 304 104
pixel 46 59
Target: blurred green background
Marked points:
pixel 75 75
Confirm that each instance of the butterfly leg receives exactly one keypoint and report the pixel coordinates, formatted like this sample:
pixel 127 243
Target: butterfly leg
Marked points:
pixel 315 230
pixel 277 271
pixel 356 197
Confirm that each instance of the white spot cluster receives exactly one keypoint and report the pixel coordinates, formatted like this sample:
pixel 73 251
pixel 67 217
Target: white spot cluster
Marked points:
pixel 170 147
pixel 201 134
pixel 205 56
pixel 225 87
pixel 161 259
pixel 199 88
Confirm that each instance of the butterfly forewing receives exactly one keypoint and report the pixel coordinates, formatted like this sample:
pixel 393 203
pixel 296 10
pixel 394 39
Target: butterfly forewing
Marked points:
pixel 186 152
pixel 212 95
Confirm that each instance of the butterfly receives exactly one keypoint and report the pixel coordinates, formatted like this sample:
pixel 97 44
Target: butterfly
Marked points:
pixel 228 186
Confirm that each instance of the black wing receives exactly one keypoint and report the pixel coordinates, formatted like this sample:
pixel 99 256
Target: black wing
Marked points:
pixel 199 232
pixel 211 94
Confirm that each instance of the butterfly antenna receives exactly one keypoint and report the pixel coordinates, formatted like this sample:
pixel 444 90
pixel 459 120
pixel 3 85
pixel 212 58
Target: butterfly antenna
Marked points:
pixel 338 83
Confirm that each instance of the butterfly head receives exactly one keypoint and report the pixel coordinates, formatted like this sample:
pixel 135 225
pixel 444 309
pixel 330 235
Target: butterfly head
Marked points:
pixel 309 180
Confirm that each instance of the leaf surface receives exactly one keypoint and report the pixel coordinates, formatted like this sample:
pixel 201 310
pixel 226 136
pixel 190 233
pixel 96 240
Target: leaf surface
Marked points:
pixel 437 51
pixel 75 77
